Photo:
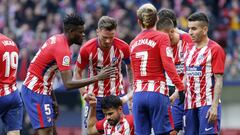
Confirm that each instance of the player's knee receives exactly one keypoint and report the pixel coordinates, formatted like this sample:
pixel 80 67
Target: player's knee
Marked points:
pixel 13 132
pixel 45 131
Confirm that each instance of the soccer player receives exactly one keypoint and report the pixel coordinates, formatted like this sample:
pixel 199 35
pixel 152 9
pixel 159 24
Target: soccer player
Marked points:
pixel 54 55
pixel 151 56
pixel 114 123
pixel 204 75
pixel 180 42
pixel 11 106
pixel 104 50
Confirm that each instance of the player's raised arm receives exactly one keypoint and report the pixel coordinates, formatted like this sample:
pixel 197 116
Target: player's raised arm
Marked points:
pixel 71 83
pixel 91 127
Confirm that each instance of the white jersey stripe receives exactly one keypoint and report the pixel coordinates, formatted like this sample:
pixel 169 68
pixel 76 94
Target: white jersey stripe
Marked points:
pixel 6 89
pixel 190 57
pixel 100 63
pixel 209 79
pixel 46 77
pixel 126 127
pixel 197 92
pixel 14 87
pixel 120 75
pixel 32 83
pixel 199 60
pixel 151 85
pixel 189 98
pixel 112 80
pixel 91 86
pixel 162 87
pixel 138 85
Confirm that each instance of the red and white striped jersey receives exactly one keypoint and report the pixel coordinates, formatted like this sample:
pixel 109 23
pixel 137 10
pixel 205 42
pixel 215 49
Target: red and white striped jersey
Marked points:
pixel 124 127
pixel 53 55
pixel 90 54
pixel 201 64
pixel 8 65
pixel 179 51
pixel 151 56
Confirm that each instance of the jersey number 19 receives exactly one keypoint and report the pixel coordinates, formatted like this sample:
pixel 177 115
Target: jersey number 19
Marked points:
pixel 11 59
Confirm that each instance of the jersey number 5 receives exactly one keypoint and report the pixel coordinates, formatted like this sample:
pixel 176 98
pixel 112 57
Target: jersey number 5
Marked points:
pixel 143 67
pixel 11 59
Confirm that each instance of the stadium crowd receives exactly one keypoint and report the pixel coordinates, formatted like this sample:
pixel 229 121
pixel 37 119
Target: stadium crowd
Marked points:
pixel 30 22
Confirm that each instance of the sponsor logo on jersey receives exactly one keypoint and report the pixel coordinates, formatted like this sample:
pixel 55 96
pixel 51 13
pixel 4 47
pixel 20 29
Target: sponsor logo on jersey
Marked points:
pixel 180 68
pixel 194 71
pixel 66 61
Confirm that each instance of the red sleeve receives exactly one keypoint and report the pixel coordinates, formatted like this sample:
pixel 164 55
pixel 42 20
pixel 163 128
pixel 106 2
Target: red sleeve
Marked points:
pixel 62 57
pixel 83 58
pixel 168 65
pixel 186 37
pixel 218 60
pixel 126 53
pixel 100 127
pixel 131 124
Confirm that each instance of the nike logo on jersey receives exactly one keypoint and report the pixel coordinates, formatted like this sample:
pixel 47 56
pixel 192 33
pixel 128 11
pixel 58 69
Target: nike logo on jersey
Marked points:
pixel 208 129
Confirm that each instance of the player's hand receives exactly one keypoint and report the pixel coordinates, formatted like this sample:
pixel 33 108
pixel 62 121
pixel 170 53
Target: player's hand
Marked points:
pixel 181 95
pixel 212 114
pixel 88 97
pixel 92 100
pixel 107 72
pixel 55 110
pixel 173 97
pixel 124 99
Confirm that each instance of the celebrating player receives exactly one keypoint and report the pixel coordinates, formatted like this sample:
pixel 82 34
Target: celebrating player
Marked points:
pixel 11 106
pixel 114 123
pixel 97 53
pixel 54 55
pixel 180 42
pixel 204 75
pixel 151 55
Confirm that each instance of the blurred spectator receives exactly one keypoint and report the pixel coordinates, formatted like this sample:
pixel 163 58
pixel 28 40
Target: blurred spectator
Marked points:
pixel 30 22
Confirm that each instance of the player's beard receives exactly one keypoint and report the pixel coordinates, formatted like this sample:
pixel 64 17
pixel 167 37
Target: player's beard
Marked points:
pixel 78 41
pixel 113 122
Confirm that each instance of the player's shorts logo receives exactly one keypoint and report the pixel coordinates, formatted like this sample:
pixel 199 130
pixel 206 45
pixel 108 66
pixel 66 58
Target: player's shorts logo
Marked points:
pixel 208 129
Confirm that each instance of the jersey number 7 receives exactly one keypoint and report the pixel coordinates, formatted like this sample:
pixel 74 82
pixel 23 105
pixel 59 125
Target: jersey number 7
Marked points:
pixel 143 66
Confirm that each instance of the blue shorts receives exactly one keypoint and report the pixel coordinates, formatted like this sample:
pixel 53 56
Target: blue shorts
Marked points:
pixel 178 113
pixel 99 112
pixel 39 108
pixel 11 111
pixel 152 110
pixel 197 123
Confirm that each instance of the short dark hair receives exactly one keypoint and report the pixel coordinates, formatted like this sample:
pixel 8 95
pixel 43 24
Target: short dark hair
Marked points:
pixel 111 102
pixel 199 16
pixel 164 23
pixel 71 21
pixel 168 13
pixel 108 23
